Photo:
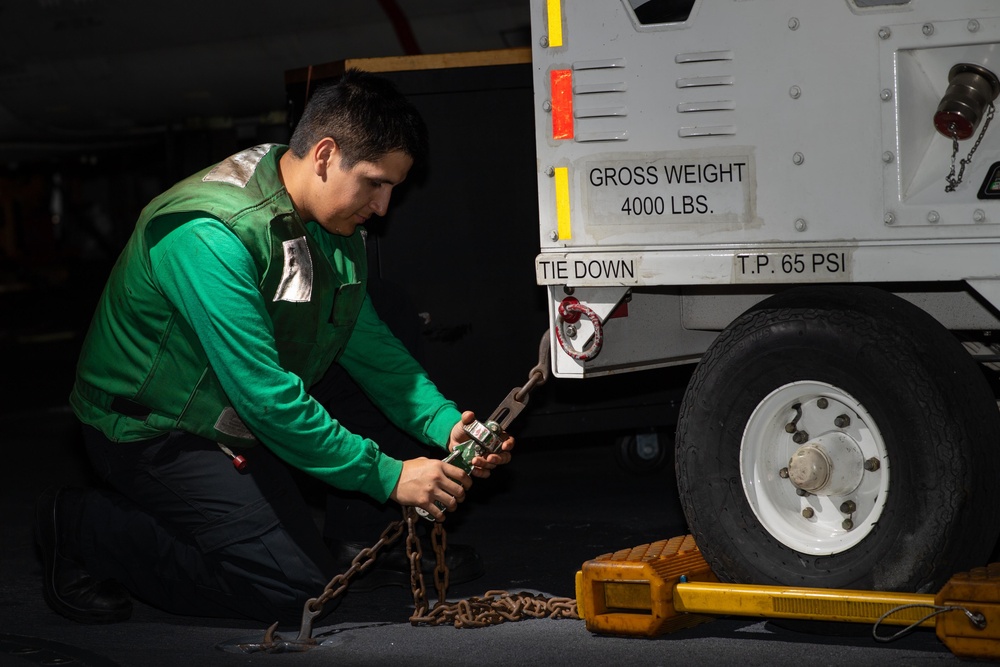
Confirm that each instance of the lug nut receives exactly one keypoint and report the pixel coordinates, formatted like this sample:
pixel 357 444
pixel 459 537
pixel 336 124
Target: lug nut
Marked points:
pixel 848 524
pixel 842 421
pixel 822 403
pixel 783 473
pixel 801 492
pixel 808 513
pixel 872 464
pixel 848 507
pixel 800 437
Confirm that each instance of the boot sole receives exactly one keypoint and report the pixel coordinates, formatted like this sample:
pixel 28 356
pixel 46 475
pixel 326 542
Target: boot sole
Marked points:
pixel 47 541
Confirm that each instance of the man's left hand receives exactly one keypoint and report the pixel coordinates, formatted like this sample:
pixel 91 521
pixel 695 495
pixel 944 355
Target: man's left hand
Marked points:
pixel 481 466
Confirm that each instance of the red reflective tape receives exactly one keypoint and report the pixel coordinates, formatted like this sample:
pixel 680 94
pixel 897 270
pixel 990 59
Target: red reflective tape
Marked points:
pixel 562 103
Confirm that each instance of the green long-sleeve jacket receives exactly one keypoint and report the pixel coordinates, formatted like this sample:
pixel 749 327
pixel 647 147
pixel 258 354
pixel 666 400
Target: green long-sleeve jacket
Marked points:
pixel 225 307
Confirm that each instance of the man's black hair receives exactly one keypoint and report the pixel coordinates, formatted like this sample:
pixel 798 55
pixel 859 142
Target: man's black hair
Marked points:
pixel 368 118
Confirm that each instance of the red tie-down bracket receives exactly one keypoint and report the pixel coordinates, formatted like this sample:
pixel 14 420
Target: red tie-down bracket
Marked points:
pixel 568 314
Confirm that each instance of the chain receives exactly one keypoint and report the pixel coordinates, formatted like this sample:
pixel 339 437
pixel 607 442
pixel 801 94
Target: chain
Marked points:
pixel 953 182
pixel 495 607
pixel 492 608
pixel 336 587
pixel 512 405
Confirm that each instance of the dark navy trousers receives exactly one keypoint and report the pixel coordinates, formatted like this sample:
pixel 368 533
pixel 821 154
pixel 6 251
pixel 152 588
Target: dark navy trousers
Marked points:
pixel 186 532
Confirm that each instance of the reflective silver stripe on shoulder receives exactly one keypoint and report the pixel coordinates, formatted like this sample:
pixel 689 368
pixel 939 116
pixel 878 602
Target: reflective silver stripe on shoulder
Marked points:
pixel 297 275
pixel 231 424
pixel 237 169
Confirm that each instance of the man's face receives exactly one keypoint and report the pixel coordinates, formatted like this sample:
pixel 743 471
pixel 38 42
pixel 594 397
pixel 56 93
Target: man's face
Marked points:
pixel 347 198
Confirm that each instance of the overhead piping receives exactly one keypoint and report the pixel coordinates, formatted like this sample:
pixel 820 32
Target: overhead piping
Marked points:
pixel 404 32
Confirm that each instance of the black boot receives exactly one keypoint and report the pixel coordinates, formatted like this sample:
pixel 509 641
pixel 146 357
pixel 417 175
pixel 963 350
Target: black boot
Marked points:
pixel 391 567
pixel 67 587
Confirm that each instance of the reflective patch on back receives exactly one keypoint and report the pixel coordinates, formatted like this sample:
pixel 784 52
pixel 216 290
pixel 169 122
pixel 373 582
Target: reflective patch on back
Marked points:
pixel 237 169
pixel 297 274
pixel 230 423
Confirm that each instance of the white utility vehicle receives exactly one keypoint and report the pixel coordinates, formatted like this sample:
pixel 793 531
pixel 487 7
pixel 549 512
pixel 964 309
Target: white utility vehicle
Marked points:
pixel 802 197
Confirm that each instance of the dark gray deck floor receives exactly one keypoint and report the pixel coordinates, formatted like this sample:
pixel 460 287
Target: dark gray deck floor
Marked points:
pixel 558 504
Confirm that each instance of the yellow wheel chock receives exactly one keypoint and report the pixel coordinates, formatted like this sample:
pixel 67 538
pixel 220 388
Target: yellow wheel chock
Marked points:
pixel 666 586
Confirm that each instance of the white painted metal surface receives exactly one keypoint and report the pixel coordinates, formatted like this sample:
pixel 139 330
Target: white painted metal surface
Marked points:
pixel 755 144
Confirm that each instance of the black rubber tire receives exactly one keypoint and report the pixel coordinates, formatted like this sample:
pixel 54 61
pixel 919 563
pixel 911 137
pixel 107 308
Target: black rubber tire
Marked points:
pixel 930 401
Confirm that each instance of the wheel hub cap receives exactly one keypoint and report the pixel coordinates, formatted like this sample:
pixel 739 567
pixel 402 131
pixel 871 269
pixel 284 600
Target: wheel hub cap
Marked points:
pixel 814 468
pixel 809 468
pixel 830 465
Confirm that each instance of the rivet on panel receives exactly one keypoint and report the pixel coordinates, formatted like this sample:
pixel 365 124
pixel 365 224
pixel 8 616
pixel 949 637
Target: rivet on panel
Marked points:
pixel 798 158
pixel 795 92
pixel 888 157
pixel 933 216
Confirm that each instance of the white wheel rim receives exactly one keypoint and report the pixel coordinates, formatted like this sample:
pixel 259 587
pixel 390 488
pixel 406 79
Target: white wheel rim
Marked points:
pixel 837 464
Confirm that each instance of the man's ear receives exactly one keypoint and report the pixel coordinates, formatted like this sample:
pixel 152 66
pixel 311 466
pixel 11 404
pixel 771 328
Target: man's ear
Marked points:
pixel 323 154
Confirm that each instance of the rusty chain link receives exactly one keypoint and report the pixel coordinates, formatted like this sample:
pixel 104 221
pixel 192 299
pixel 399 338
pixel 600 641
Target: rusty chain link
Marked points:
pixel 337 586
pixel 494 607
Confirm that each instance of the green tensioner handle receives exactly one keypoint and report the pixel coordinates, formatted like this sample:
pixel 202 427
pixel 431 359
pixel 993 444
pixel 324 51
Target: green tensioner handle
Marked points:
pixel 484 438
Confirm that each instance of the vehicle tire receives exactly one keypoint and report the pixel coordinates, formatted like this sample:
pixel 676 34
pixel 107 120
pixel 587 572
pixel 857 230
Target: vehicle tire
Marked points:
pixel 917 452
pixel 643 453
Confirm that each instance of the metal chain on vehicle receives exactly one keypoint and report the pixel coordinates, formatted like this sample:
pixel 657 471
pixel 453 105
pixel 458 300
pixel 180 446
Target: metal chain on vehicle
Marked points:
pixel 495 607
pixel 953 182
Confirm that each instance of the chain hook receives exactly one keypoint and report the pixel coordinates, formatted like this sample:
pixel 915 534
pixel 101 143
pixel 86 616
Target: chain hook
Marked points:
pixel 511 406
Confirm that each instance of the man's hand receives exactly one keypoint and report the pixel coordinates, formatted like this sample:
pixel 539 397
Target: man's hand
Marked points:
pixel 424 481
pixel 481 466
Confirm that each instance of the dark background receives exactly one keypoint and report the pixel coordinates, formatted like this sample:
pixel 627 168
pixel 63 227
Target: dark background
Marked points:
pixel 105 106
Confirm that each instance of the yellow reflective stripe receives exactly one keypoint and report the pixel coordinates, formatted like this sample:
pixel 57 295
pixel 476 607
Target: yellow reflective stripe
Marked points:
pixel 555 23
pixel 562 204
